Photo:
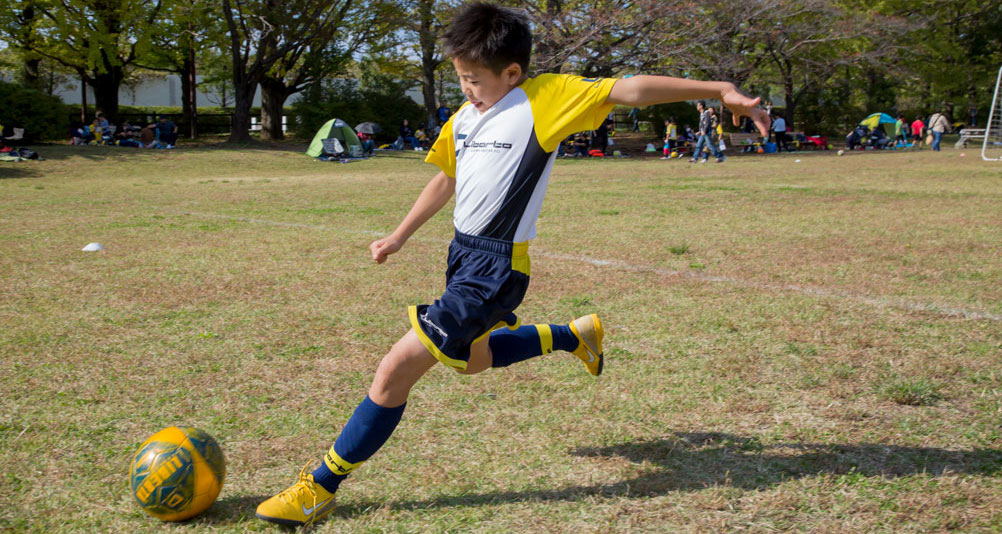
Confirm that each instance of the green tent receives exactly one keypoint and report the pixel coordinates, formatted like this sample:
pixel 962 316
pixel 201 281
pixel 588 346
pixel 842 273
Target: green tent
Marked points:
pixel 337 129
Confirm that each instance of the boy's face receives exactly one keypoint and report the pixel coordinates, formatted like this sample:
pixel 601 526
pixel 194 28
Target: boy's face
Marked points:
pixel 482 86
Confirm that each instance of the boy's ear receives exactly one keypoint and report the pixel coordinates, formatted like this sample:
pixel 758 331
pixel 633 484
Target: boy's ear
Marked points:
pixel 512 73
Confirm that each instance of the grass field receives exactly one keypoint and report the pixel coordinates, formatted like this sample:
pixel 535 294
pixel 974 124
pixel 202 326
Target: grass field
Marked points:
pixel 810 346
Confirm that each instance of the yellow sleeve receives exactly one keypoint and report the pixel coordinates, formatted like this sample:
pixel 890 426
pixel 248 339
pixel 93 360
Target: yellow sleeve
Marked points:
pixel 563 104
pixel 442 154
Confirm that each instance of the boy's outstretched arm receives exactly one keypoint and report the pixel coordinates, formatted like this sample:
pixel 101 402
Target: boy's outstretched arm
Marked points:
pixel 642 91
pixel 435 195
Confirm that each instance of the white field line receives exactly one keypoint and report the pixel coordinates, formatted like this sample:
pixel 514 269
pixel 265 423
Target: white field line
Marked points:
pixel 880 302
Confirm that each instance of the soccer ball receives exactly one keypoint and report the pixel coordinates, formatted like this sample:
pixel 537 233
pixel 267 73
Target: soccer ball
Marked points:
pixel 177 473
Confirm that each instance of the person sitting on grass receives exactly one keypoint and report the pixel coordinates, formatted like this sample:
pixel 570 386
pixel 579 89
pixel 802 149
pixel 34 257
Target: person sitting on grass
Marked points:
pixel 148 137
pixel 581 144
pixel 495 155
pixel 368 145
pixel 166 132
pixel 407 135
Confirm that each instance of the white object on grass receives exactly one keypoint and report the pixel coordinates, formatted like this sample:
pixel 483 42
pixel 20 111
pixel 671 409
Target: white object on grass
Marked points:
pixel 93 247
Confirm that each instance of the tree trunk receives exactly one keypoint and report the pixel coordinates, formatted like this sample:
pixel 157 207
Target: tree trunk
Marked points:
pixel 244 84
pixel 791 103
pixel 428 61
pixel 31 76
pixel 428 91
pixel 31 63
pixel 273 96
pixel 189 87
pixel 186 115
pixel 106 85
pixel 243 98
pixel 83 98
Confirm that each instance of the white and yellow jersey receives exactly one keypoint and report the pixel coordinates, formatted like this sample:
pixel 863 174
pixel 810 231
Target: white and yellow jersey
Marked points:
pixel 502 158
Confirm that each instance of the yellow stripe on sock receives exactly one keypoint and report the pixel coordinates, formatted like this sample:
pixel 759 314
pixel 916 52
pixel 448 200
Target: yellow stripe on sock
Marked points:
pixel 545 338
pixel 338 465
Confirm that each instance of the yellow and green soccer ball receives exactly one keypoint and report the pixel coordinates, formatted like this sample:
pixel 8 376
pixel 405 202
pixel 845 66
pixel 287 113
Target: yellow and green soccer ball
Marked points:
pixel 177 473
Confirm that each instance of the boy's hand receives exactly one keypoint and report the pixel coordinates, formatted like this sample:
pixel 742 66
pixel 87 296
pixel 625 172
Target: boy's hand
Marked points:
pixel 745 106
pixel 381 248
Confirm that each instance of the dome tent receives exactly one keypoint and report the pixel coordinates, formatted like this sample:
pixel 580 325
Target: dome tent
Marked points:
pixel 335 138
pixel 880 120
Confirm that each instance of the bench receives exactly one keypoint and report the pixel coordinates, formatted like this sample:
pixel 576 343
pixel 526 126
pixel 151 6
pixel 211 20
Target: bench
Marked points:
pixel 969 134
pixel 746 141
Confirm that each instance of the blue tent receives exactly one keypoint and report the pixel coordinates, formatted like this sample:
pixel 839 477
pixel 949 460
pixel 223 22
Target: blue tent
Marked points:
pixel 881 120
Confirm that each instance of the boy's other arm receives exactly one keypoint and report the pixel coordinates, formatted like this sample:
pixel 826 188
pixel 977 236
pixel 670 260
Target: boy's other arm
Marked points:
pixel 434 196
pixel 647 90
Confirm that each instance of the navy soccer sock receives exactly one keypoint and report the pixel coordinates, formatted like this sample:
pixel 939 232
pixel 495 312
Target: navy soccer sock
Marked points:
pixel 364 433
pixel 513 346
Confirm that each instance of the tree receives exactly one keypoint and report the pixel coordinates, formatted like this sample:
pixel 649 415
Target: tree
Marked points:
pixel 415 49
pixel 185 31
pixel 22 27
pixel 606 37
pixel 952 52
pixel 261 33
pixel 97 39
pixel 217 77
pixel 796 45
pixel 349 27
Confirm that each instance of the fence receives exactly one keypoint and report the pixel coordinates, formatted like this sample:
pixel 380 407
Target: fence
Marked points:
pixel 207 123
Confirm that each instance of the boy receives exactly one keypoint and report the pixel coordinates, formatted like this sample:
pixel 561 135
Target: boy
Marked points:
pixel 495 154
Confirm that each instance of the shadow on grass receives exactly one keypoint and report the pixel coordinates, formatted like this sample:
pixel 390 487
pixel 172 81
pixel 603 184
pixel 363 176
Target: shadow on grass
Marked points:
pixel 19 169
pixel 114 153
pixel 230 510
pixel 696 461
pixel 690 462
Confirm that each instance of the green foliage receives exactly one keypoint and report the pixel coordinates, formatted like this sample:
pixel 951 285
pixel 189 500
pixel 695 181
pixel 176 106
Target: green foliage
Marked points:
pixel 42 116
pixel 684 112
pixel 377 99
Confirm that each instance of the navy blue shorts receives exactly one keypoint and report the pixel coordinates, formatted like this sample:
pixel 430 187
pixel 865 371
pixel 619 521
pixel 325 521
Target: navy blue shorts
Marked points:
pixel 485 282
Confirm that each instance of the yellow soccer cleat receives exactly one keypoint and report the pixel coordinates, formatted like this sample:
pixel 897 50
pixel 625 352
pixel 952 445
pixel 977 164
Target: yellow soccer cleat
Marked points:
pixel 301 504
pixel 589 332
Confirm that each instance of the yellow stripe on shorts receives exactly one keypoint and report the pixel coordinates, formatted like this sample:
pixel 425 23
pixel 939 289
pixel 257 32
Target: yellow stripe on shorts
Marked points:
pixel 520 258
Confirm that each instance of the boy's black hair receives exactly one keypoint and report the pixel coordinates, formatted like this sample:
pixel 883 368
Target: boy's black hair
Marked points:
pixel 492 36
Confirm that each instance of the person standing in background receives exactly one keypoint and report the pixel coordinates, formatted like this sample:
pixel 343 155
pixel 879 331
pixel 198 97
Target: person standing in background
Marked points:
pixel 671 137
pixel 779 128
pixel 938 125
pixel 917 127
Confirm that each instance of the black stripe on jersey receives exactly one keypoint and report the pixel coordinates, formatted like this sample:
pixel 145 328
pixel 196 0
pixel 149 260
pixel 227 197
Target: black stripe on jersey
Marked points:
pixel 506 220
